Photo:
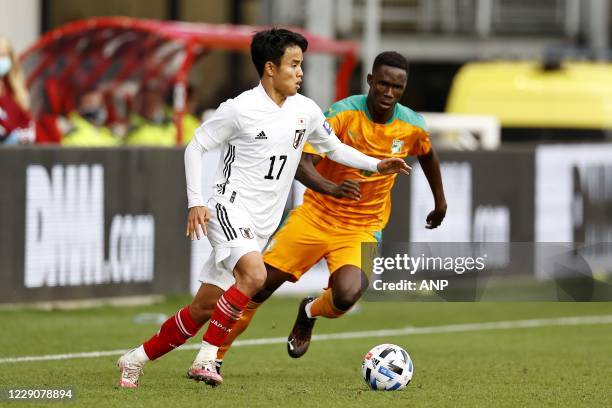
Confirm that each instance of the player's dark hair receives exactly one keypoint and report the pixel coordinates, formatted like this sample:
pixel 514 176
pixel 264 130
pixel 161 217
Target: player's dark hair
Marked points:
pixel 270 45
pixel 390 59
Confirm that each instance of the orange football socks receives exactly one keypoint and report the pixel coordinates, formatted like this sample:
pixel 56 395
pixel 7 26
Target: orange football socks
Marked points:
pixel 324 306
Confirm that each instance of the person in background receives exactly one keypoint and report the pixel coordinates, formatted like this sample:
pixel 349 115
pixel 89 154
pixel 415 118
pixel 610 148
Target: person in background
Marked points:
pixel 87 123
pixel 151 125
pixel 191 120
pixel 16 125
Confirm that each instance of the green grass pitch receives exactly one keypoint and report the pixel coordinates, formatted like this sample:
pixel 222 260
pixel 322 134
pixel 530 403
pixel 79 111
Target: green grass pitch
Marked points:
pixel 539 366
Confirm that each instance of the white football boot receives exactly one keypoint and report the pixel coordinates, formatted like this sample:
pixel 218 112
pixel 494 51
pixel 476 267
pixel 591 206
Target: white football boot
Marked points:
pixel 205 371
pixel 131 369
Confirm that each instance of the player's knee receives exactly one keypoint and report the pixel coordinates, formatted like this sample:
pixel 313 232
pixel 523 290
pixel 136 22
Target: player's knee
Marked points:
pixel 254 280
pixel 250 272
pixel 345 298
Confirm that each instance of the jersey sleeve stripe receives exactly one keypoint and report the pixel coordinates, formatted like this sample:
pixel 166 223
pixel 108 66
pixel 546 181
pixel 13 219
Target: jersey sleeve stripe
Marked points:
pixel 229 159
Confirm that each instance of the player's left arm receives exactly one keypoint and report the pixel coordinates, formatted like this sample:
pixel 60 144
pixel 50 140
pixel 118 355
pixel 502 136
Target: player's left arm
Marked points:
pixel 344 154
pixel 351 157
pixel 323 138
pixel 431 167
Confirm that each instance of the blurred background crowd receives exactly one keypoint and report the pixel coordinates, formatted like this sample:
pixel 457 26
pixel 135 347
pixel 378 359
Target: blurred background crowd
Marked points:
pixel 501 71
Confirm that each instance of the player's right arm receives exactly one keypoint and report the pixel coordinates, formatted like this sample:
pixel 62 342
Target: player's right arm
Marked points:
pixel 212 133
pixel 198 214
pixel 196 219
pixel 308 175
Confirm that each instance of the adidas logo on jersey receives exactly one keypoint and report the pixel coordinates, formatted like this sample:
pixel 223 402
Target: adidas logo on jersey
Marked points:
pixel 261 136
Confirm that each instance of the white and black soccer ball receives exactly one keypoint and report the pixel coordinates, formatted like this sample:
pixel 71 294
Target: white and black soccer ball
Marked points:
pixel 387 367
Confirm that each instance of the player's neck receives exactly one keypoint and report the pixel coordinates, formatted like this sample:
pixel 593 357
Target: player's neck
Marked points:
pixel 277 97
pixel 379 117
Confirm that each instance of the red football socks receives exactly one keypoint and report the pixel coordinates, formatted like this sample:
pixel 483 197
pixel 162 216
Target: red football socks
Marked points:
pixel 227 312
pixel 173 333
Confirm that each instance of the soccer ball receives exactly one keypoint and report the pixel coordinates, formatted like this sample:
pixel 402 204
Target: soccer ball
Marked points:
pixel 387 367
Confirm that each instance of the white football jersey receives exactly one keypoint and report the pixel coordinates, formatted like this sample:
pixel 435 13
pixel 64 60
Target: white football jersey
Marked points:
pixel 261 145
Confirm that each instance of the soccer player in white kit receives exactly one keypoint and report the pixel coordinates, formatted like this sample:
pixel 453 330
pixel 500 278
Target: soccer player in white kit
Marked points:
pixel 262 133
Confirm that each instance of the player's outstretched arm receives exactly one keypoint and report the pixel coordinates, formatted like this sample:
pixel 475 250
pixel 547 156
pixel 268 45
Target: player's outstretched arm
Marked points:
pixel 393 165
pixel 431 167
pixel 352 157
pixel 308 175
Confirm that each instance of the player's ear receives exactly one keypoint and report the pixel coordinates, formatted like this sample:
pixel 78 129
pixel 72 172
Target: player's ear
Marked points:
pixel 269 68
pixel 369 79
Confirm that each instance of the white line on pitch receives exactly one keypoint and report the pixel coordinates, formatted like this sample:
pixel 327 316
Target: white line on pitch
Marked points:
pixel 451 328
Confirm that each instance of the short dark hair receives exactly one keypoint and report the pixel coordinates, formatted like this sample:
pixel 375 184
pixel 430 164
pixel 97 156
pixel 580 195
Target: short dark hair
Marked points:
pixel 270 45
pixel 390 59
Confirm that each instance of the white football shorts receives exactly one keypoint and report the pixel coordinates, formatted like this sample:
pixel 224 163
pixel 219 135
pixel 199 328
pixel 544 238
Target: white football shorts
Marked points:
pixel 231 235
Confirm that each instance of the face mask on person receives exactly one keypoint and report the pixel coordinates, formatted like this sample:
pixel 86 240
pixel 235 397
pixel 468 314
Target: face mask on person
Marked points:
pixel 5 65
pixel 95 116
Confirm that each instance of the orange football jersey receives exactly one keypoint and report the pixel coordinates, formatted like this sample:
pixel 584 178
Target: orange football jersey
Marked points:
pixel 403 135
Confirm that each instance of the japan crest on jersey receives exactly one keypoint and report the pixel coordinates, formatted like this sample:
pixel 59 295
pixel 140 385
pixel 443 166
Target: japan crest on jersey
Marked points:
pixel 299 133
pixel 246 232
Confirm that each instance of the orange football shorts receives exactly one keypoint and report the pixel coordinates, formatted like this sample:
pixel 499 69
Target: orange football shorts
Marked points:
pixel 300 243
